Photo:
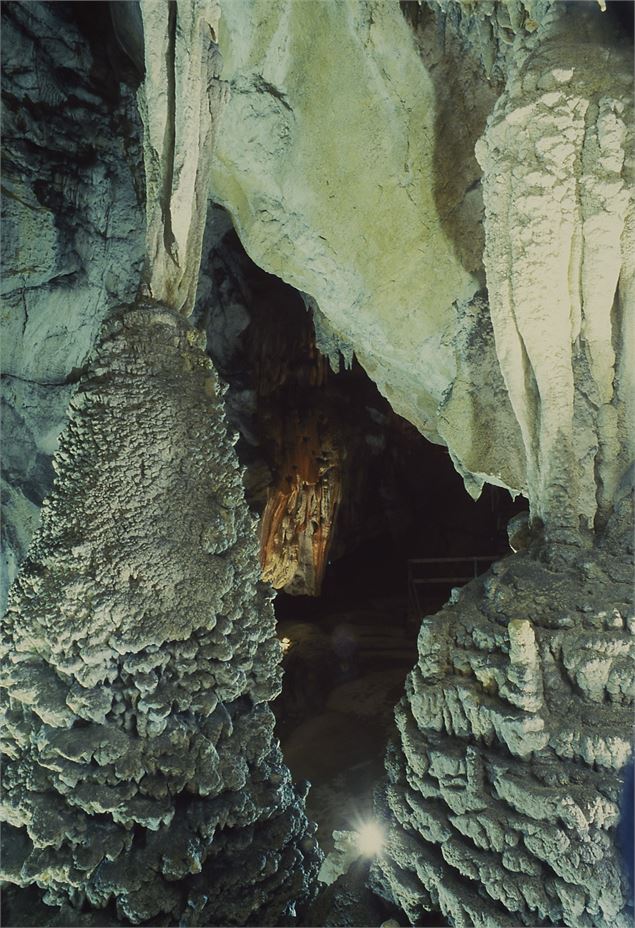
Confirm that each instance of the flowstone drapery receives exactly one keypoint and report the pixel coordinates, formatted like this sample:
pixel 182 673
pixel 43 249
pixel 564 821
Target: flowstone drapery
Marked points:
pixel 139 656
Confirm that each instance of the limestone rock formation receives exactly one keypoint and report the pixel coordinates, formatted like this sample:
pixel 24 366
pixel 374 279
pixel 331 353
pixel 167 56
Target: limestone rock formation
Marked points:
pixel 334 191
pixel 498 32
pixel 299 517
pixel 449 186
pixel 307 450
pixel 72 237
pixel 503 780
pixel 139 655
pixel 557 158
pixel 367 223
pixel 179 101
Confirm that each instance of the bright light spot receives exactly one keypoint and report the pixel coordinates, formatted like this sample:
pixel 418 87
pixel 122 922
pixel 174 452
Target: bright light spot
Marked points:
pixel 370 839
pixel 285 643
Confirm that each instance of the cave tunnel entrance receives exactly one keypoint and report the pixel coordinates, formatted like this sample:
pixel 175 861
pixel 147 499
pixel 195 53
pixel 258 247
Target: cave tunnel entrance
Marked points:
pixel 349 495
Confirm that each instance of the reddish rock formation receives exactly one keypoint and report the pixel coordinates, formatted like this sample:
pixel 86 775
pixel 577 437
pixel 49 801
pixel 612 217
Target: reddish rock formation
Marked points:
pixel 300 514
pixel 307 452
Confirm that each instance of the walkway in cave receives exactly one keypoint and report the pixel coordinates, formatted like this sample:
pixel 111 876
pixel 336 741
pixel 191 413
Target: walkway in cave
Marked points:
pixel 344 671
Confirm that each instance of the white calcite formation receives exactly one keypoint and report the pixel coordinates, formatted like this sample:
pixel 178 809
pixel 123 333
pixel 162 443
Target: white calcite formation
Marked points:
pixel 557 159
pixel 179 101
pixel 451 191
pixel 504 778
pixel 345 195
pixel 138 658
pixel 324 157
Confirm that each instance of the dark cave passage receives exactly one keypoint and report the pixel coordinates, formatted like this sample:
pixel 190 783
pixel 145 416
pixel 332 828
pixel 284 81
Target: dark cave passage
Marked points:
pixel 349 494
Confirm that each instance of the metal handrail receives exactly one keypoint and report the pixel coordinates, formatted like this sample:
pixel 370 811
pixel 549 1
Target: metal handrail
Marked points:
pixel 448 560
pixel 415 582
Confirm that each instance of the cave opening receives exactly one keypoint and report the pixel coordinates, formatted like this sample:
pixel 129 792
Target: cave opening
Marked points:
pixel 365 524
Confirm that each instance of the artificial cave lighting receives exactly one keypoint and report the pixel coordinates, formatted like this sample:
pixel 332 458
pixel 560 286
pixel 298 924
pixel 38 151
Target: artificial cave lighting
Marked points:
pixel 370 839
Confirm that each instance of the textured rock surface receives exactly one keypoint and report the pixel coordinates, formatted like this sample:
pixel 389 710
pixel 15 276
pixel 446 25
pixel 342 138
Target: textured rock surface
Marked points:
pixel 504 779
pixel 299 517
pixel 72 238
pixel 142 774
pixel 497 32
pixel 178 101
pixel 140 652
pixel 370 225
pixel 334 192
pixel 558 169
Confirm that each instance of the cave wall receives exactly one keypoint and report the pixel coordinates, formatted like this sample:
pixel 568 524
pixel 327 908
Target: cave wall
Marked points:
pixel 373 222
pixel 495 315
pixel 72 238
pixel 321 163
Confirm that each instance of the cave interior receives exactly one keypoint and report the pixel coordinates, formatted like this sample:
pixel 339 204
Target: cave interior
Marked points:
pixel 404 533
pixel 267 660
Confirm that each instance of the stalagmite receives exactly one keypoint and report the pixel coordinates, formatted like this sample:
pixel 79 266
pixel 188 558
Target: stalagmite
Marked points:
pixel 516 724
pixel 139 656
pixel 449 186
pixel 502 792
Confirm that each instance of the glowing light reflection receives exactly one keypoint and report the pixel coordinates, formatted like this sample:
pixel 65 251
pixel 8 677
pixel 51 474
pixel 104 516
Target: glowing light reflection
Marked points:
pixel 370 839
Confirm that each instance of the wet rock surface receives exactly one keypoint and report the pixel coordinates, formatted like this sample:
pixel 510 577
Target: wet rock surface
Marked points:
pixel 139 656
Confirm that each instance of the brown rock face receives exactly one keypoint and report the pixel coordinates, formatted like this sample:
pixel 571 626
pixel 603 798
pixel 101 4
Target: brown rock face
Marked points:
pixel 308 450
pixel 301 509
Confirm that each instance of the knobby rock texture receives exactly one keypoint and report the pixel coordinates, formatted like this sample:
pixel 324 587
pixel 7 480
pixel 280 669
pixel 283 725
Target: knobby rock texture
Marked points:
pixel 139 655
pixel 504 778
